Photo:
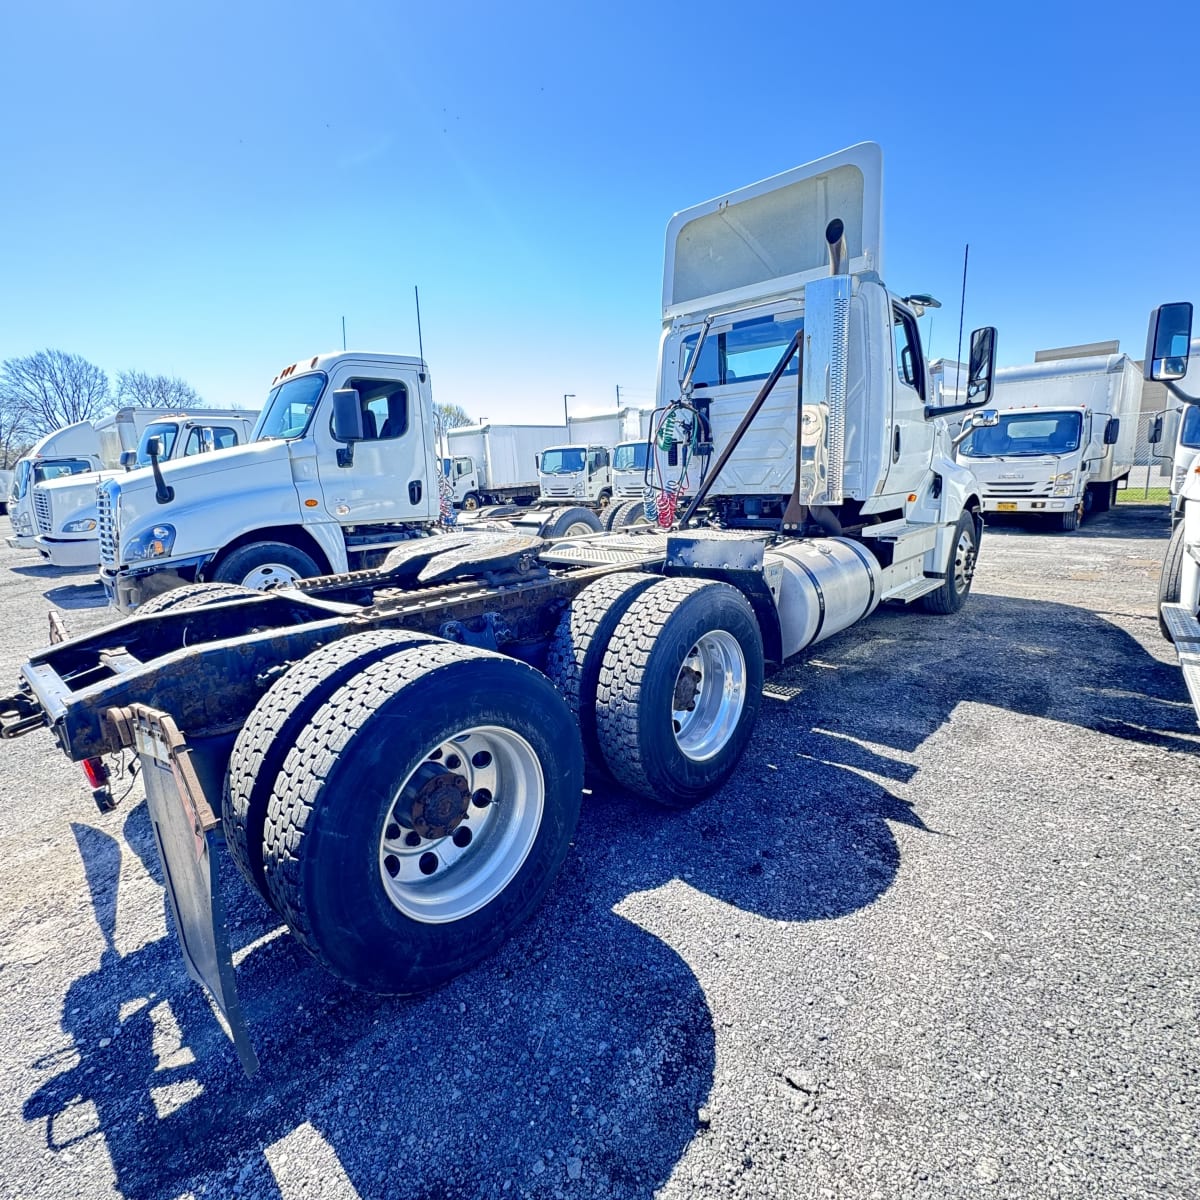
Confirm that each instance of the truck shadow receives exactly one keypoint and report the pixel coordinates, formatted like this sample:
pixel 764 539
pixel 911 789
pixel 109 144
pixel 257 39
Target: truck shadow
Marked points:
pixel 1126 520
pixel 579 1055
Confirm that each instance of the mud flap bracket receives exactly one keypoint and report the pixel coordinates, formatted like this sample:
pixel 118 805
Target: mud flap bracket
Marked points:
pixel 187 831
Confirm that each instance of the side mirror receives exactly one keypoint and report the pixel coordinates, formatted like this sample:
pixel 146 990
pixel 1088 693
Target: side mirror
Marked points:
pixel 128 460
pixel 1154 436
pixel 163 493
pixel 347 415
pixel 1168 340
pixel 1111 431
pixel 537 462
pixel 982 365
pixel 207 439
pixel 154 448
pixel 985 418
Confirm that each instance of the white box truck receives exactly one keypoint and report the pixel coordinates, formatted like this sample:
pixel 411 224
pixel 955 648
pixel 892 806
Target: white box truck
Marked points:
pixel 1064 441
pixel 496 464
pixel 65 509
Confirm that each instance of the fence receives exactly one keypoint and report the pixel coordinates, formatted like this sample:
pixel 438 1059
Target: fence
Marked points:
pixel 1149 472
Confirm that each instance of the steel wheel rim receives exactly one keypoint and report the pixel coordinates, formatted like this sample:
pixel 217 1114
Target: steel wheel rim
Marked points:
pixel 268 574
pixel 445 874
pixel 577 529
pixel 964 562
pixel 709 695
pixel 470 503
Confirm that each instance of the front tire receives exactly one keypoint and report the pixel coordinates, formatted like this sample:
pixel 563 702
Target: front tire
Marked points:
pixel 470 502
pixel 262 564
pixel 960 570
pixel 1170 582
pixel 679 690
pixel 423 815
pixel 1069 521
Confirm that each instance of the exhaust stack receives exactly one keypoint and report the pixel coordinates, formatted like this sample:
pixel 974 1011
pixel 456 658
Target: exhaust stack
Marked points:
pixel 835 238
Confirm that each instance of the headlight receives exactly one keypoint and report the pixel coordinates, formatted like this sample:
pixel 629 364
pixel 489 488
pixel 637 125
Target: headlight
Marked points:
pixel 154 543
pixel 1064 484
pixel 84 525
pixel 23 524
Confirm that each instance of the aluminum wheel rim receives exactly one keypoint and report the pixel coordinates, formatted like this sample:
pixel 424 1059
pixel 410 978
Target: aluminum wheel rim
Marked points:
pixel 709 695
pixel 435 879
pixel 578 529
pixel 964 562
pixel 268 574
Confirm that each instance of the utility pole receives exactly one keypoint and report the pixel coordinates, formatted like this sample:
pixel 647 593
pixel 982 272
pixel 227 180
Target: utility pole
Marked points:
pixel 566 419
pixel 343 333
pixel 618 397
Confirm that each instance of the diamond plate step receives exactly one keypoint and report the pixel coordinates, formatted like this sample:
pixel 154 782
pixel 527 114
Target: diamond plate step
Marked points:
pixel 1185 633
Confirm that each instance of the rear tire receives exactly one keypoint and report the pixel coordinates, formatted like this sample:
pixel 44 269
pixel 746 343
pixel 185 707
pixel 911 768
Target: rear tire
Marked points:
pixel 960 570
pixel 273 728
pixel 383 848
pixel 1170 582
pixel 193 595
pixel 261 564
pixel 628 512
pixel 580 641
pixel 679 690
pixel 570 522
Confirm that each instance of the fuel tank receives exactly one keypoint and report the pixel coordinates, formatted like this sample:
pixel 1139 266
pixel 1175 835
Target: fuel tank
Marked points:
pixel 823 586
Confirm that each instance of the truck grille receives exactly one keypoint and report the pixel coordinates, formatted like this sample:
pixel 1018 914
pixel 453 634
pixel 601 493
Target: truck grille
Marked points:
pixel 108 528
pixel 1010 488
pixel 565 490
pixel 41 508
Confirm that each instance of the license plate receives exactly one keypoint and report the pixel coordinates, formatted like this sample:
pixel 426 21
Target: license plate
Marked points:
pixel 1007 506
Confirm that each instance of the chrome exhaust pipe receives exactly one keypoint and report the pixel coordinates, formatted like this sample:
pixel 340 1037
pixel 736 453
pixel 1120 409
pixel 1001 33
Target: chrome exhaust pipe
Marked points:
pixel 835 239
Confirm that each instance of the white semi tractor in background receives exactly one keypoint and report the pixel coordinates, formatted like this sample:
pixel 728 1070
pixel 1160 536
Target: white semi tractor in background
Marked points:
pixel 435 712
pixel 496 464
pixel 1065 438
pixel 72 450
pixel 1168 352
pixel 66 518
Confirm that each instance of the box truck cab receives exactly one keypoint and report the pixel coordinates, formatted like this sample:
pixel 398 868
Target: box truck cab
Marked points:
pixel 308 495
pixel 629 470
pixel 72 450
pixel 65 509
pixel 575 474
pixel 1064 439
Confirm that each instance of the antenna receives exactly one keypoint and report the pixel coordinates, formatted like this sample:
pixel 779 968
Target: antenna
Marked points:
pixel 420 340
pixel 343 333
pixel 962 304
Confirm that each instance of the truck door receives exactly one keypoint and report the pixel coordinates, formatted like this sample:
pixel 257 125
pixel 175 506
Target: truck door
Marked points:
pixel 391 475
pixel 911 437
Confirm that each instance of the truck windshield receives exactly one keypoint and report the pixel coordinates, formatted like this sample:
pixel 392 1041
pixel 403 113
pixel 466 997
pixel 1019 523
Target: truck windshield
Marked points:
pixel 57 468
pixel 565 461
pixel 630 456
pixel 1189 429
pixel 289 408
pixel 166 432
pixel 20 484
pixel 1023 435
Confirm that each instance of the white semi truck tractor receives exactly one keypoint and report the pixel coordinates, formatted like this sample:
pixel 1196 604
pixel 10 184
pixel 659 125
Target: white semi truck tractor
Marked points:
pixel 1168 350
pixel 396 756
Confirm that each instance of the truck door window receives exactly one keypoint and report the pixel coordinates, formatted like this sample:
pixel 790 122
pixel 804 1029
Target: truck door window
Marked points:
pixel 1189 432
pixel 166 432
pixel 747 351
pixel 384 408
pixel 223 437
pixel 910 366
pixel 462 466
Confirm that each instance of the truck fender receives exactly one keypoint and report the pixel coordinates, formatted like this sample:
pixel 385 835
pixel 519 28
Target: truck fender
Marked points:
pixel 317 541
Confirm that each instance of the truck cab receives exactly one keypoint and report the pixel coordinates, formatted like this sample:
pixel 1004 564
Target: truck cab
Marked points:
pixel 629 470
pixel 307 496
pixel 1177 431
pixel 65 509
pixel 575 474
pixel 72 450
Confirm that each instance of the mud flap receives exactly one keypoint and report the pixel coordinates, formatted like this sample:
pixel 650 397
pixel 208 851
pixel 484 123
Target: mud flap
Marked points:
pixel 186 831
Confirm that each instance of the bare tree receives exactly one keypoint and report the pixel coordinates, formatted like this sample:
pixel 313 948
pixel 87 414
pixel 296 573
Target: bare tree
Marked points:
pixel 452 416
pixel 45 391
pixel 141 390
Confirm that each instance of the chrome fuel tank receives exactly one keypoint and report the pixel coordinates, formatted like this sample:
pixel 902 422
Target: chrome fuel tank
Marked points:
pixel 821 586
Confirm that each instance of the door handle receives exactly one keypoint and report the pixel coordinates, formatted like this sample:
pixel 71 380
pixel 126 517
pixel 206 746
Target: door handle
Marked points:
pixel 896 446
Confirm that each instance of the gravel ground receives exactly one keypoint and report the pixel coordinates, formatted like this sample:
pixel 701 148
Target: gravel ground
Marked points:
pixel 937 938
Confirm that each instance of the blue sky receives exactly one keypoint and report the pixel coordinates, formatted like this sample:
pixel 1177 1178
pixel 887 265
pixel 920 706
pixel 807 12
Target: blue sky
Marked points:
pixel 206 190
